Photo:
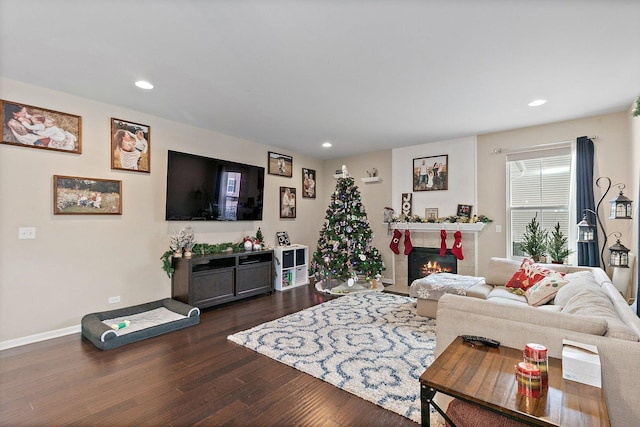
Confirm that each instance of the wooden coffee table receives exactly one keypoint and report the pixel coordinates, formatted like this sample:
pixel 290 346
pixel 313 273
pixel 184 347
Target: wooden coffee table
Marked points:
pixel 485 376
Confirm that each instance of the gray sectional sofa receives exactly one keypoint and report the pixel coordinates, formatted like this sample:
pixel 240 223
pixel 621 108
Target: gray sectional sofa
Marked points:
pixel 588 309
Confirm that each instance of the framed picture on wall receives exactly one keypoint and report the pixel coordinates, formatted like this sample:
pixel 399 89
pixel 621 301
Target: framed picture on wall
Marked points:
pixel 280 164
pixel 431 173
pixel 130 146
pixel 86 196
pixel 287 202
pixel 37 127
pixel 308 183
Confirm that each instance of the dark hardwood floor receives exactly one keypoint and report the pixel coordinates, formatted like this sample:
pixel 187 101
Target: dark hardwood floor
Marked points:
pixel 190 377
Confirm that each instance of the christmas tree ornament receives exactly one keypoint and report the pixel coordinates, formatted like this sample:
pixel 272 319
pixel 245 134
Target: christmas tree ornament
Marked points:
pixel 456 250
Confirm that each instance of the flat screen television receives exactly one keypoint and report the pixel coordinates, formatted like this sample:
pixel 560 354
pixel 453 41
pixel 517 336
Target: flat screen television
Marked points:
pixel 207 189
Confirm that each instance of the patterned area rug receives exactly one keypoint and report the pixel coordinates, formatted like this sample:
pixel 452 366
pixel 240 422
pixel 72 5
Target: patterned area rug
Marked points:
pixel 371 344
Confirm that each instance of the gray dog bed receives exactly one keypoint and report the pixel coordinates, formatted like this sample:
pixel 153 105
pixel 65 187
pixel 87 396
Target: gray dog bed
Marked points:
pixel 143 321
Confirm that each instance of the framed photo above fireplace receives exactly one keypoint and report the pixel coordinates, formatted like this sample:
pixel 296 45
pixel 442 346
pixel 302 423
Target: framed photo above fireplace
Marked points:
pixel 431 173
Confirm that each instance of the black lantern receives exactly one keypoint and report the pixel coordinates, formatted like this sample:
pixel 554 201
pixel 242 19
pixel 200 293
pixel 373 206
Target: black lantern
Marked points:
pixel 618 254
pixel 586 230
pixel 621 207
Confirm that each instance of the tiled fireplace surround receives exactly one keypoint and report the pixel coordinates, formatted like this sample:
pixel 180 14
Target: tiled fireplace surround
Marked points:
pixel 431 239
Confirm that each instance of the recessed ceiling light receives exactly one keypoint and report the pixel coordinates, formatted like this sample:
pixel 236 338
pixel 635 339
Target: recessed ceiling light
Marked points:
pixel 537 102
pixel 327 144
pixel 142 84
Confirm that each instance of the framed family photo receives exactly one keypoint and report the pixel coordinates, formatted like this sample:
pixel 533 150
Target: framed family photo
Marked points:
pixel 431 214
pixel 37 127
pixel 130 146
pixel 280 164
pixel 308 183
pixel 431 173
pixel 282 237
pixel 287 202
pixel 464 211
pixel 86 196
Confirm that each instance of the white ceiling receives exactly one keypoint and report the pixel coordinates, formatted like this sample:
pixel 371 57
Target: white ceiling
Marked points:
pixel 365 75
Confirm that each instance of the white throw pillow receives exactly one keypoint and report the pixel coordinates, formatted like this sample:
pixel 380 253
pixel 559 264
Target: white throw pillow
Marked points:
pixel 576 282
pixel 592 302
pixel 500 270
pixel 545 290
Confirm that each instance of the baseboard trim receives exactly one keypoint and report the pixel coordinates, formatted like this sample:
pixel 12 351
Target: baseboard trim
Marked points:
pixel 4 345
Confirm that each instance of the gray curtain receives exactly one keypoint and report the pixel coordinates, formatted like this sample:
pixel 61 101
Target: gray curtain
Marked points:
pixel 587 252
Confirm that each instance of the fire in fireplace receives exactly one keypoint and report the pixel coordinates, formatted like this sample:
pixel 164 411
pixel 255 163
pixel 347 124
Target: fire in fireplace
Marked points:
pixel 425 261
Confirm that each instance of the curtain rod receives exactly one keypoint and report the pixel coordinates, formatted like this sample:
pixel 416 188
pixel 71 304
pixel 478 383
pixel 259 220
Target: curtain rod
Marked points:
pixel 535 147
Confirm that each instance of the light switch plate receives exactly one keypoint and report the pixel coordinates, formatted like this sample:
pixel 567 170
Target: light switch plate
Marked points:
pixel 26 233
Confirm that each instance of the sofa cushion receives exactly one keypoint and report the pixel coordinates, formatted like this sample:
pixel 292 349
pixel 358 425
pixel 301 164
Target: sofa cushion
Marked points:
pixel 505 293
pixel 550 308
pixel 520 312
pixel 500 270
pixel 529 274
pixel 575 283
pixel 545 290
pixel 481 290
pixel 594 302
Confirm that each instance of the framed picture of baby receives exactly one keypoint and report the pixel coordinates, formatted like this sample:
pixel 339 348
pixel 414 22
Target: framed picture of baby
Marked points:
pixel 431 173
pixel 308 183
pixel 36 127
pixel 74 195
pixel 130 146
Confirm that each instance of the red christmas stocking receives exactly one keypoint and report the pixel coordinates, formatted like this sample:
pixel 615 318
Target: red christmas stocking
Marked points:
pixel 407 242
pixel 457 245
pixel 443 242
pixel 395 240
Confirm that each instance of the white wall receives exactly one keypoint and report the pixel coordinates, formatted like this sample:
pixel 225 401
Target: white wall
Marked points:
pixel 633 192
pixel 461 180
pixel 77 262
pixel 611 159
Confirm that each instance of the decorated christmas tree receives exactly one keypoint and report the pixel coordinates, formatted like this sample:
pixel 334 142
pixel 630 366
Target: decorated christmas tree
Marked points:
pixel 344 248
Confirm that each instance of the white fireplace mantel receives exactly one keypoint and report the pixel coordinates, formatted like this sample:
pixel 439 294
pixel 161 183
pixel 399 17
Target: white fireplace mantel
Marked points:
pixel 437 226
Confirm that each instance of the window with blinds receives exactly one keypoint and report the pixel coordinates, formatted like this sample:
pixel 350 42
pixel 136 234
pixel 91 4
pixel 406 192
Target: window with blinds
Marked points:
pixel 538 182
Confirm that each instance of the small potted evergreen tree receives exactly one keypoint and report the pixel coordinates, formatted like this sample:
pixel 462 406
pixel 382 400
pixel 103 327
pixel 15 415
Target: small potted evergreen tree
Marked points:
pixel 534 240
pixel 557 246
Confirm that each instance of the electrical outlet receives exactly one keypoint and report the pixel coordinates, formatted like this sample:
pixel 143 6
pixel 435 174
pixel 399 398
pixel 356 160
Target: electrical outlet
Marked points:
pixel 114 300
pixel 26 233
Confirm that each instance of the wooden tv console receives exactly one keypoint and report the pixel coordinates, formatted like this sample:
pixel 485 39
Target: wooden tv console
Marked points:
pixel 208 280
